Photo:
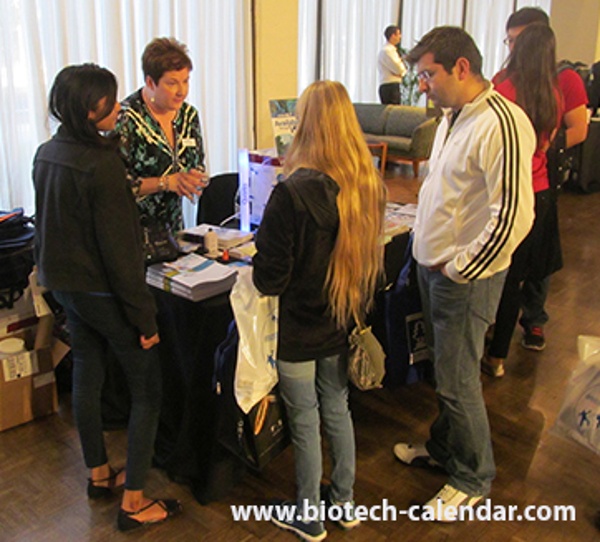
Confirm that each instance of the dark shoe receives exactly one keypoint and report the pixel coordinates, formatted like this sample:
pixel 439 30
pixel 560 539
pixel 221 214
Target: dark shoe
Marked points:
pixel 285 516
pixel 95 491
pixel 343 512
pixel 533 338
pixel 126 521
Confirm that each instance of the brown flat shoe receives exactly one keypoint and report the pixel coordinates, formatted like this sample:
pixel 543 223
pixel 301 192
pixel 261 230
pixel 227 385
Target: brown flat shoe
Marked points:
pixel 494 368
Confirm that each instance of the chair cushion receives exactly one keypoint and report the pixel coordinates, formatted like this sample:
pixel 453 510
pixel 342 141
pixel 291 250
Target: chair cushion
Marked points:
pixel 371 117
pixel 403 119
pixel 397 144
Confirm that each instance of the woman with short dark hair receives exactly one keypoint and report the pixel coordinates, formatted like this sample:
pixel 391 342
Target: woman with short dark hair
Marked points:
pixel 161 141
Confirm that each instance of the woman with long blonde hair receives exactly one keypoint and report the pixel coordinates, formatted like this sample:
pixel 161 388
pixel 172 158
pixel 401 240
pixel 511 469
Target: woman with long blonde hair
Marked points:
pixel 319 249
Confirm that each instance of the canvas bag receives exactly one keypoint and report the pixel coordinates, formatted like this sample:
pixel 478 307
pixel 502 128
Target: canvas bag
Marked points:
pixel 257 320
pixel 579 416
pixel 366 359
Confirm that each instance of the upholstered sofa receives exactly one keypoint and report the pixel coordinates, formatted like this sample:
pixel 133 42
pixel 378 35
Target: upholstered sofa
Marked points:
pixel 407 130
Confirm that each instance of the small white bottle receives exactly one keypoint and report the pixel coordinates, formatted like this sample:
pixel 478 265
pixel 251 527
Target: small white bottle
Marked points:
pixel 211 244
pixel 11 347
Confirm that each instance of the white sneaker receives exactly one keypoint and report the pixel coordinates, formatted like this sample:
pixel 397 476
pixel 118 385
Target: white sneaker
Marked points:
pixel 415 455
pixel 447 503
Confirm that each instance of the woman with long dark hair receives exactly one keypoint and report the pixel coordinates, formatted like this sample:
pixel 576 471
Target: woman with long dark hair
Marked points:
pixel 319 249
pixel 530 80
pixel 89 254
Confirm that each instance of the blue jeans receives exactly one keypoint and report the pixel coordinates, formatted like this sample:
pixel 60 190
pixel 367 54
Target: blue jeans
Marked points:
pixel 456 318
pixel 307 388
pixel 97 322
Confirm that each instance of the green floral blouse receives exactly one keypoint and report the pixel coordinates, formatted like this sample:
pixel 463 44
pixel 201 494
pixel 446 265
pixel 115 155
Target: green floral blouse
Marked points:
pixel 147 153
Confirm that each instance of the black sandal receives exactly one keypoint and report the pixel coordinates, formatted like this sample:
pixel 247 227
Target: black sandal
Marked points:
pixel 99 492
pixel 126 522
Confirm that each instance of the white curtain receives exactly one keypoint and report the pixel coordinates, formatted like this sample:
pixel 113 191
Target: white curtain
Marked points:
pixel 485 21
pixel 39 37
pixel 343 40
pixel 544 4
pixel 420 16
pixel 308 32
pixel 351 34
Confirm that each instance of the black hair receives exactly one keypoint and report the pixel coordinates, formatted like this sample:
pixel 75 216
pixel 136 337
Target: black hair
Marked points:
pixel 163 55
pixel 447 44
pixel 525 16
pixel 76 91
pixel 390 31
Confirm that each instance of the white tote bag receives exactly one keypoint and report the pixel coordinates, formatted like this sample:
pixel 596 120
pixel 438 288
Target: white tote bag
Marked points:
pixel 256 317
pixel 579 416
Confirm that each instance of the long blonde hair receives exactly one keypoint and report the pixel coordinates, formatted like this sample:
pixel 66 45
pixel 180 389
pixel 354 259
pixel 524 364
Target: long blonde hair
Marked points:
pixel 329 139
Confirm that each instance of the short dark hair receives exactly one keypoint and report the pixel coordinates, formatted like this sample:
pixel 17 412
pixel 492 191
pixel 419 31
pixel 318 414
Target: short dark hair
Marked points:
pixel 390 31
pixel 447 44
pixel 76 91
pixel 525 16
pixel 163 55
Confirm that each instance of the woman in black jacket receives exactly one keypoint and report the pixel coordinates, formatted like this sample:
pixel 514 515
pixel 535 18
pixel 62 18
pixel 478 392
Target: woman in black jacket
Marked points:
pixel 319 249
pixel 89 254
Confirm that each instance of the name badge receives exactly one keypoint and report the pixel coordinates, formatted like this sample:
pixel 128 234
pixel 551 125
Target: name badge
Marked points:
pixel 188 142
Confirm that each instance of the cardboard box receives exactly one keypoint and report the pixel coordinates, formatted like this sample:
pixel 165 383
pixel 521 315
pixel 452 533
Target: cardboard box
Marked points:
pixel 27 382
pixel 27 388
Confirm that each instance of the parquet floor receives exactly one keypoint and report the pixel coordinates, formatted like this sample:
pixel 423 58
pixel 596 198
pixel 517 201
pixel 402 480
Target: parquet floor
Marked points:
pixel 42 477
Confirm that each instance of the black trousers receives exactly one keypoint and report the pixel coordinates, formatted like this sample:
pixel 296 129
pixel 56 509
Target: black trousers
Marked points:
pixel 389 93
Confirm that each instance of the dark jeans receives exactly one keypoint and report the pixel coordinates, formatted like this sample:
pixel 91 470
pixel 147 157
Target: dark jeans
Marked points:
pixel 534 294
pixel 389 93
pixel 96 323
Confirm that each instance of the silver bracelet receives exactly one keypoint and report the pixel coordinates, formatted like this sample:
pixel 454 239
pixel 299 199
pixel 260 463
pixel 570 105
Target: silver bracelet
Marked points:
pixel 163 183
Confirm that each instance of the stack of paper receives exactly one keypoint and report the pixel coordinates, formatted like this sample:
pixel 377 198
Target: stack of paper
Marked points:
pixel 399 218
pixel 227 237
pixel 192 277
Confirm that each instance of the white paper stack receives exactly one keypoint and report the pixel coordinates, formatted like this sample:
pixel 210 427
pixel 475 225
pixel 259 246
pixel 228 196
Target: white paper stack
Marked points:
pixel 399 219
pixel 192 277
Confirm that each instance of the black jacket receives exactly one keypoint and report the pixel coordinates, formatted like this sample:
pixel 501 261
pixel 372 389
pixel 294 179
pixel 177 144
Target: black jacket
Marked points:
pixel 294 243
pixel 88 236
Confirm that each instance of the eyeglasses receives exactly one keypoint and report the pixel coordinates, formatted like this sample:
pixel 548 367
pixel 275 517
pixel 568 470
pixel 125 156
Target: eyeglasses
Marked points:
pixel 508 41
pixel 425 76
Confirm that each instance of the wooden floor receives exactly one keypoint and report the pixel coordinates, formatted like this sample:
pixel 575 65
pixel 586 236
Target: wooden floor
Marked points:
pixel 42 476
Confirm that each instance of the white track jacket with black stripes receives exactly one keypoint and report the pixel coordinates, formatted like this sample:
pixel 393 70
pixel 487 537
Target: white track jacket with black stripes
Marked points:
pixel 476 203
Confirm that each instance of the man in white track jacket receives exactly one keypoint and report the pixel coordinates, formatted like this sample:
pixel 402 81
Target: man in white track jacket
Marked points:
pixel 475 207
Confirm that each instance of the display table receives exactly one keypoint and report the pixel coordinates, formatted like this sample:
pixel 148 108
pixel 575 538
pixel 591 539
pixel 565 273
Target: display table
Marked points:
pixel 186 446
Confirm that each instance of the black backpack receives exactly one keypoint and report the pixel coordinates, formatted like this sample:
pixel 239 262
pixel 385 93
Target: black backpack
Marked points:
pixel 16 255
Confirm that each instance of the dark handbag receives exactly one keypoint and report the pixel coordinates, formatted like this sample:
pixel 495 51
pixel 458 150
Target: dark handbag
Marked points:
pixel 159 243
pixel 259 436
pixel 407 353
pixel 366 359
pixel 16 255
